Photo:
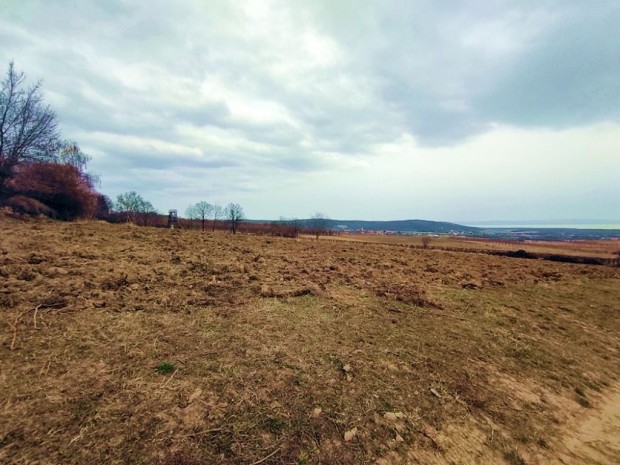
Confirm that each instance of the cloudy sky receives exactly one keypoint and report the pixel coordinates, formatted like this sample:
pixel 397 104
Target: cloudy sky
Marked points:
pixel 375 109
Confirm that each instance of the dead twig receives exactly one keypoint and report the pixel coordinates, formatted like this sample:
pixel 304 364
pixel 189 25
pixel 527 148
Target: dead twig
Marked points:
pixel 169 379
pixel 14 327
pixel 36 310
pixel 267 457
pixel 46 367
pixel 202 433
pixel 428 435
pixel 19 317
pixel 34 318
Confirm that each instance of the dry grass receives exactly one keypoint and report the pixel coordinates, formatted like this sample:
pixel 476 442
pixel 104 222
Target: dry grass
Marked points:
pixel 276 350
pixel 607 249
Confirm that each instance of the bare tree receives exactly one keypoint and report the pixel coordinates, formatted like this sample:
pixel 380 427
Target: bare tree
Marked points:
pixel 287 227
pixel 146 209
pixel 216 213
pixel 319 224
pixel 191 214
pixel 234 213
pixel 70 153
pixel 28 127
pixel 199 211
pixel 132 204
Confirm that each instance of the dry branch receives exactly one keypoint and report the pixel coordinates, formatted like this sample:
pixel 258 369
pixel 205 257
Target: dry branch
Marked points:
pixel 267 457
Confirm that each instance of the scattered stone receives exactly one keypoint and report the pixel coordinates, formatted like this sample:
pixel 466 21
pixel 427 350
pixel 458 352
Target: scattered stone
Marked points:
pixel 470 285
pixel 195 395
pixel 349 435
pixel 390 416
pixel 435 393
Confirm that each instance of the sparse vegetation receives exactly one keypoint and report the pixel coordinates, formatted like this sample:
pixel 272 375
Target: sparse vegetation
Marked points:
pixel 166 367
pixel 514 458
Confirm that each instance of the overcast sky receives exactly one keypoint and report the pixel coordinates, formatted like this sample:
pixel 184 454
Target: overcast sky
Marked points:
pixel 375 109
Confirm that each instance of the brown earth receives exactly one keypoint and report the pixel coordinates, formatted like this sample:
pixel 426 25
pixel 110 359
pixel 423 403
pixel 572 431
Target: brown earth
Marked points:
pixel 122 344
pixel 604 248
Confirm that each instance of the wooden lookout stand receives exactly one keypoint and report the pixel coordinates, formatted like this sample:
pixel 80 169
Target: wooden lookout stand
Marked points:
pixel 173 218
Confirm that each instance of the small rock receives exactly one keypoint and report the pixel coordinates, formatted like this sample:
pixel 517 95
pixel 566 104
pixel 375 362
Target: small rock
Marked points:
pixel 390 416
pixel 317 411
pixel 435 393
pixel 346 368
pixel 349 435
pixel 470 285
pixel 399 438
pixel 393 416
pixel 195 395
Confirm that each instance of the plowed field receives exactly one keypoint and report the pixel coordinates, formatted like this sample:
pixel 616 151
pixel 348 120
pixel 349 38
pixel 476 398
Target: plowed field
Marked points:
pixel 121 344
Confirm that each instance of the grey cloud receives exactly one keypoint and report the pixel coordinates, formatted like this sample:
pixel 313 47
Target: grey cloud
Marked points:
pixel 439 72
pixel 121 157
pixel 571 78
pixel 563 73
pixel 211 114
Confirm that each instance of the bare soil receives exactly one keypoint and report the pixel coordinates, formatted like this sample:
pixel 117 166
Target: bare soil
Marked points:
pixel 135 345
pixel 606 249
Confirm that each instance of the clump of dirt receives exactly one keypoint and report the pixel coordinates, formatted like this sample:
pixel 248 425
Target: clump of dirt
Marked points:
pixel 406 293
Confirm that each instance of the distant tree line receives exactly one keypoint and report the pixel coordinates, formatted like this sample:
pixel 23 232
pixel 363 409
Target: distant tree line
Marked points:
pixel 203 211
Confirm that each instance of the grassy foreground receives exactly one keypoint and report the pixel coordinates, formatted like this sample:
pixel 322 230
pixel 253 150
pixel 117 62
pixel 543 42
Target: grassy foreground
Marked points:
pixel 135 345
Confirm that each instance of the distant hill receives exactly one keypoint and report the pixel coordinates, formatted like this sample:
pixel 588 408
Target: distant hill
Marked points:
pixel 405 226
pixel 443 227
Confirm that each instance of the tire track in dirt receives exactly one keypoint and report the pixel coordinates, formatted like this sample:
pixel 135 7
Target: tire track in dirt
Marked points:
pixel 595 438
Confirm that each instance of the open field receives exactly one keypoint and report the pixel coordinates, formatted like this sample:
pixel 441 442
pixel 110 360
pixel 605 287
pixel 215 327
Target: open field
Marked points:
pixel 135 345
pixel 607 249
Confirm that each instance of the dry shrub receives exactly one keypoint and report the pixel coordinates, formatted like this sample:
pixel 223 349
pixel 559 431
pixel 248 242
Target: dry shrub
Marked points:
pixel 29 206
pixel 57 188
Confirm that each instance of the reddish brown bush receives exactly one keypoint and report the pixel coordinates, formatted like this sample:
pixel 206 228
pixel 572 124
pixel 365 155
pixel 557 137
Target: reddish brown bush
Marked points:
pixel 62 188
pixel 29 206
